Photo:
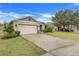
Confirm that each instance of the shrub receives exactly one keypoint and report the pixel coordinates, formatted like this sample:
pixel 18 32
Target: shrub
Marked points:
pixel 9 32
pixel 8 28
pixel 17 33
pixel 7 35
pixel 48 29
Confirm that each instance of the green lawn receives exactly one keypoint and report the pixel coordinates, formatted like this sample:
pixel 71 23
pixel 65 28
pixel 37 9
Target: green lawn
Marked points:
pixel 19 46
pixel 1 27
pixel 65 35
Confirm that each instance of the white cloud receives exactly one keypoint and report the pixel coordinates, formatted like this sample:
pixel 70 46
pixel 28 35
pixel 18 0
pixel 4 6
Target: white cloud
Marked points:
pixel 11 15
pixel 44 19
pixel 28 15
pixel 1 20
pixel 16 15
pixel 47 15
pixel 2 14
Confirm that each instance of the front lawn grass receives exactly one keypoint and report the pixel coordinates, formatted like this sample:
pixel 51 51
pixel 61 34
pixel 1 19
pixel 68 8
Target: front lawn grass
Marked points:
pixel 19 46
pixel 1 27
pixel 65 35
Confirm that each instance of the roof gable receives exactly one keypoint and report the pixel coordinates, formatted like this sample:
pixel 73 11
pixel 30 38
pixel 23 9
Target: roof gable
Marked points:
pixel 28 18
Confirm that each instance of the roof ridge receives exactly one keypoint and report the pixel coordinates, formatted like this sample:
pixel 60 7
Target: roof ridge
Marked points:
pixel 28 17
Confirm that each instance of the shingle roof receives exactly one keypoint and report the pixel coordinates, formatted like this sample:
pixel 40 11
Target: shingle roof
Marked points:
pixel 28 18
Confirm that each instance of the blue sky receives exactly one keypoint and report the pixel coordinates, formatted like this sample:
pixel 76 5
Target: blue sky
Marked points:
pixel 40 11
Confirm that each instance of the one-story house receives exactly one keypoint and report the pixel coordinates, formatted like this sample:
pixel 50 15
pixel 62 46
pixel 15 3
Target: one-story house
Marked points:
pixel 28 25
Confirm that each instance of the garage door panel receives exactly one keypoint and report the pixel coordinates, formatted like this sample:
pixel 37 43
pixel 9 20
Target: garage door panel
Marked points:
pixel 26 29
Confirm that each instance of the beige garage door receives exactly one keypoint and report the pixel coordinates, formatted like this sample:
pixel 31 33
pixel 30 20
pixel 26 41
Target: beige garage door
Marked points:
pixel 27 29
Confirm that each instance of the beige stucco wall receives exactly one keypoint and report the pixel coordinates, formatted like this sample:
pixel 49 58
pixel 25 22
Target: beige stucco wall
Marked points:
pixel 28 23
pixel 43 26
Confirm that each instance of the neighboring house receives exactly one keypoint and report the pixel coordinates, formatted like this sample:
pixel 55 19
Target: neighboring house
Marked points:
pixel 28 25
pixel 72 27
pixel 69 28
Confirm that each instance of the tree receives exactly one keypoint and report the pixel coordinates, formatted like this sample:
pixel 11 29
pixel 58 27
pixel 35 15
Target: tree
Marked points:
pixel 66 17
pixel 5 25
pixel 49 27
pixel 8 27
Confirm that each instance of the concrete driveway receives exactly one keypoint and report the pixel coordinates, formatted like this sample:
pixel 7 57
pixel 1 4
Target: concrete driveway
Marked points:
pixel 54 45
